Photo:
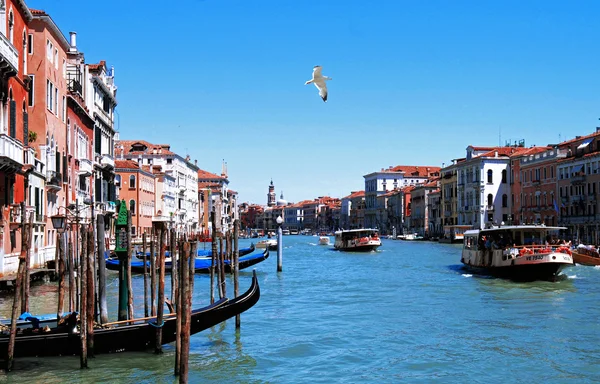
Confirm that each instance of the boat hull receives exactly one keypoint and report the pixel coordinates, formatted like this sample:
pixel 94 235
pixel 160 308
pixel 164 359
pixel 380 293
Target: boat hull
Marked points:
pixel 580 258
pixel 360 248
pixel 526 272
pixel 136 337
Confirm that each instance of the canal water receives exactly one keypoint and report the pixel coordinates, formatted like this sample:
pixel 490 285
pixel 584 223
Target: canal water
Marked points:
pixel 407 313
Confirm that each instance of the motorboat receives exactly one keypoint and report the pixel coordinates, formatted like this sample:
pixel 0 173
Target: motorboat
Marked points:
pixel 357 240
pixel 519 252
pixel 324 240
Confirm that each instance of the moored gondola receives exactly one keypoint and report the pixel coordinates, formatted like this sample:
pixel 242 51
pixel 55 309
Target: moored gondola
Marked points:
pixel 120 337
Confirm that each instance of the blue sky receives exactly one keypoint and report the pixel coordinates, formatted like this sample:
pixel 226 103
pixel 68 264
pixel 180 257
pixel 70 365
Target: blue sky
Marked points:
pixel 414 82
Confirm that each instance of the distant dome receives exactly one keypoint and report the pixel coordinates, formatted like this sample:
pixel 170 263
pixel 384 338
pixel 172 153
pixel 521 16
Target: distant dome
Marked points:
pixel 281 202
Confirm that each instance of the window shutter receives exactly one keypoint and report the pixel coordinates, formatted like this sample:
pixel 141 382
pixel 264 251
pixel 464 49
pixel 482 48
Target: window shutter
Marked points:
pixel 98 141
pixel 13 119
pixel 58 161
pixel 25 128
pixel 65 176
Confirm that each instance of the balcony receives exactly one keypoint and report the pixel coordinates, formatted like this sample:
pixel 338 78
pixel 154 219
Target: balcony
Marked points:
pixel 535 182
pixel 85 167
pixel 9 58
pixel 53 181
pixel 11 153
pixel 107 161
pixel 578 179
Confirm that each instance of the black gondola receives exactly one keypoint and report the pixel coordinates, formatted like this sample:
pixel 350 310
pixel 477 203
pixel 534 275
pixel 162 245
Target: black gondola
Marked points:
pixel 135 337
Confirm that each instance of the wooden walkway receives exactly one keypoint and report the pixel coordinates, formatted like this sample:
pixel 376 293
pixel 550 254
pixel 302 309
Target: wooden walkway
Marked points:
pixel 7 282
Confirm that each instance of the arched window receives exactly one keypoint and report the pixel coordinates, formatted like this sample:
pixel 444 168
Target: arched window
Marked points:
pixel 132 206
pixel 490 200
pixel 24 52
pixel 11 27
pixel 504 201
pixel 490 175
pixel 132 181
pixel 504 176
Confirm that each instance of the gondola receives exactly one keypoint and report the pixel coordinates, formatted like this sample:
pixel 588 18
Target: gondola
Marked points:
pixel 65 340
pixel 202 263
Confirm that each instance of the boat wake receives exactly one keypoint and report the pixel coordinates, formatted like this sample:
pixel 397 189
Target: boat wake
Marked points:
pixel 467 275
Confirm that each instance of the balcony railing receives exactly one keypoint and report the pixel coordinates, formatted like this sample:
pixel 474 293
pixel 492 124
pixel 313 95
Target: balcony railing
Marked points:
pixel 578 179
pixel 85 167
pixel 107 161
pixel 53 180
pixel 11 151
pixel 9 57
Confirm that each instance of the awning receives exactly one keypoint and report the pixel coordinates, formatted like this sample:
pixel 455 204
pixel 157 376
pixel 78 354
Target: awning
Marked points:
pixel 585 143
pixel 577 169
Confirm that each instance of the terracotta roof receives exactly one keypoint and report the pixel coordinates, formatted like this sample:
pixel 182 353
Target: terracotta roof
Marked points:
pixel 207 175
pixel 408 188
pixel 101 64
pixel 505 151
pixel 36 11
pixel 208 184
pixel 414 170
pixel 126 164
pixel 355 194
pixel 595 134
pixel 164 149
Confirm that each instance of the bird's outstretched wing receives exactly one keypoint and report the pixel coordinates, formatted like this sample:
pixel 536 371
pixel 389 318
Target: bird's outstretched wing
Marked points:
pixel 322 89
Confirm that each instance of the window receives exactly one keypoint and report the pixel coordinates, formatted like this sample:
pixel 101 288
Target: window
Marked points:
pixel 11 27
pixel 132 229
pixel 55 58
pixel 49 50
pixel 504 176
pixel 131 181
pixel 504 201
pixel 132 206
pixel 490 200
pixel 55 101
pixel 30 44
pixel 64 69
pixel 31 92
pixel 489 176
pixel 64 109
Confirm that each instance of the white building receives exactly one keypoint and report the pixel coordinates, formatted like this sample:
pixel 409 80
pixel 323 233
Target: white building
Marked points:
pixel 483 186
pixel 378 183
pixel 182 173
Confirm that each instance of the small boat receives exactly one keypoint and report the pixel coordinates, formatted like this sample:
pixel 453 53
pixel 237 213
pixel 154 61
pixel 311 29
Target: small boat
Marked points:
pixel 324 240
pixel 411 237
pixel 516 252
pixel 135 335
pixel 586 255
pixel 202 264
pixel 357 240
pixel 270 244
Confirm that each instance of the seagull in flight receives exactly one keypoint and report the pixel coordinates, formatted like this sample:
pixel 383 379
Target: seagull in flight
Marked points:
pixel 319 81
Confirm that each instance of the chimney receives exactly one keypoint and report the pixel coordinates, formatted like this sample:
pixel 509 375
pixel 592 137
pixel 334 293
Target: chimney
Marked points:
pixel 73 42
pixel 112 70
pixel 495 153
pixel 196 162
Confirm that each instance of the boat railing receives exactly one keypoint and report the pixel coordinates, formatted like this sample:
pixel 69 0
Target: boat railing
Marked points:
pixel 524 250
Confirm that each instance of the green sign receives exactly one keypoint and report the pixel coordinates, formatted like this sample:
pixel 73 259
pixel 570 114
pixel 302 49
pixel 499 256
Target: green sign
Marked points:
pixel 121 228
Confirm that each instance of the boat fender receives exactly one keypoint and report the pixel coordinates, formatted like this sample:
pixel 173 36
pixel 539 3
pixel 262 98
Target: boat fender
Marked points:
pixel 156 325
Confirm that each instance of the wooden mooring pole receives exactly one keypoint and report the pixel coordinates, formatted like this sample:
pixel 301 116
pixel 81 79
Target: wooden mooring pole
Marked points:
pixel 161 288
pixel 102 305
pixel 18 292
pixel 60 240
pixel 182 319
pixel 153 233
pixel 72 283
pixel 83 304
pixel 236 267
pixel 180 247
pixel 26 279
pixel 213 258
pixel 144 258
pixel 91 290
pixel 129 285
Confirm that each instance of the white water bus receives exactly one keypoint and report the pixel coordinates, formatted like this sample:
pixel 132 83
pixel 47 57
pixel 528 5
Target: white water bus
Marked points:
pixel 519 252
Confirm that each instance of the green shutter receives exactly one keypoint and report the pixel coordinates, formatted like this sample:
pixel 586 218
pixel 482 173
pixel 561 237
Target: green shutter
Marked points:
pixel 13 119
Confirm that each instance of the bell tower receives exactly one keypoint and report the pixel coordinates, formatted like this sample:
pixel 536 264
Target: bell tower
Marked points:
pixel 271 195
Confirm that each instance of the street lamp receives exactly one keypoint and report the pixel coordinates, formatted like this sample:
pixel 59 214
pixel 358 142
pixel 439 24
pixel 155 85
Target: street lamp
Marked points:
pixel 279 221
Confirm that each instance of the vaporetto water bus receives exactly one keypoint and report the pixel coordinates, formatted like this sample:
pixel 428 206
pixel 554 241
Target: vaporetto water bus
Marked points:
pixel 519 252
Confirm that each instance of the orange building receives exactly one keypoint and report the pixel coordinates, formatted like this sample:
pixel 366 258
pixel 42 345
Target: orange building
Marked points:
pixel 14 17
pixel 48 116
pixel 136 187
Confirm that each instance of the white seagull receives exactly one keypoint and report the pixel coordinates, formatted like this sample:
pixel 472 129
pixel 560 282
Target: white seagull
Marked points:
pixel 319 81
